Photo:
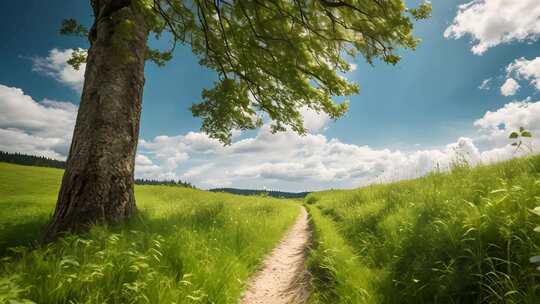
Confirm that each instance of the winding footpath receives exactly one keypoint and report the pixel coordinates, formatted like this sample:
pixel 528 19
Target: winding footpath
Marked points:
pixel 283 278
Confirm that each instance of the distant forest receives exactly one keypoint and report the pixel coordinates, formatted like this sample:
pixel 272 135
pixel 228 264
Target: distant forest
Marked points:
pixel 31 160
pixel 278 194
pixel 40 161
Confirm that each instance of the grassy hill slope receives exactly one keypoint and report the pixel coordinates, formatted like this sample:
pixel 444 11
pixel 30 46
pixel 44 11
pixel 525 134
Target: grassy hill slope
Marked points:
pixel 186 246
pixel 459 237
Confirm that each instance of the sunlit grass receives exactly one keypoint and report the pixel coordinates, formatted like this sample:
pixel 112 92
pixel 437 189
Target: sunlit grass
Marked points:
pixel 459 237
pixel 186 246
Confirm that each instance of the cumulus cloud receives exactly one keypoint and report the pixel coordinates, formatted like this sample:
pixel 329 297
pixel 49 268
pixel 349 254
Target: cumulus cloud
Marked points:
pixel 172 151
pixel 55 65
pixel 522 70
pixel 283 161
pixel 510 87
pixel 527 70
pixel 42 128
pixel 145 168
pixel 495 126
pixel 314 122
pixel 290 162
pixel 493 22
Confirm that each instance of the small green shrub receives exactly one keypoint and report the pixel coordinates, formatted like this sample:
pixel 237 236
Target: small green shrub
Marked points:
pixel 311 199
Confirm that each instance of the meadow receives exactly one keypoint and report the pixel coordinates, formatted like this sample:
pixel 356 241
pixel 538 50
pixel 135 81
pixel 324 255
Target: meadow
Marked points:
pixel 465 236
pixel 185 245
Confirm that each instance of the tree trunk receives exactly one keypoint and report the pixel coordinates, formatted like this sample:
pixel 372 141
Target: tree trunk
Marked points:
pixel 97 186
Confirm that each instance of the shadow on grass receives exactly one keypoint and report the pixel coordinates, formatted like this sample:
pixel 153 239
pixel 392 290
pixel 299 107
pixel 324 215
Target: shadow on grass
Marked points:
pixel 25 234
pixel 29 233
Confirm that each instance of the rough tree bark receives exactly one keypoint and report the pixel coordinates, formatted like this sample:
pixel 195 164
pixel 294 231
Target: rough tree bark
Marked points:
pixel 97 186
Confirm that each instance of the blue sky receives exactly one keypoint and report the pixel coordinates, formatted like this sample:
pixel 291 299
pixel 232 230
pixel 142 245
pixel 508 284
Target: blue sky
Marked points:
pixel 427 102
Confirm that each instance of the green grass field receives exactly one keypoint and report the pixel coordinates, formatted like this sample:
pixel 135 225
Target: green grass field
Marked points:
pixel 186 246
pixel 459 237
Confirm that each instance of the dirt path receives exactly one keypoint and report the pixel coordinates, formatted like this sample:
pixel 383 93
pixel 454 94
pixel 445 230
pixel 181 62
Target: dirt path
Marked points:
pixel 283 278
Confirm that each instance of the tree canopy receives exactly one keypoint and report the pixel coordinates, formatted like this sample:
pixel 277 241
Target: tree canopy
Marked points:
pixel 275 57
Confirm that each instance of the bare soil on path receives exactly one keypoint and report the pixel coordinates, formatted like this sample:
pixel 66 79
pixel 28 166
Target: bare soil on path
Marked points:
pixel 283 277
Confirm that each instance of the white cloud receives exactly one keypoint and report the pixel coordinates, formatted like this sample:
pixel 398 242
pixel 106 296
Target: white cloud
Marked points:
pixel 497 125
pixel 283 161
pixel 43 128
pixel 142 160
pixel 522 70
pixel 290 162
pixel 172 151
pixel 493 22
pixel 526 69
pixel 510 87
pixel 485 85
pixel 56 66
pixel 509 118
pixel 314 122
pixel 145 168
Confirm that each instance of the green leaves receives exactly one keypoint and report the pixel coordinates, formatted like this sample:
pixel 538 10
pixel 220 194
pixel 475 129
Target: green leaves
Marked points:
pixel 277 57
pixel 78 57
pixel 70 27
pixel 536 211
pixel 422 12
pixel 518 137
pixel 226 107
pixel 11 292
pixel 536 259
pixel 274 57
pixel 158 57
pixel 69 262
pixel 392 59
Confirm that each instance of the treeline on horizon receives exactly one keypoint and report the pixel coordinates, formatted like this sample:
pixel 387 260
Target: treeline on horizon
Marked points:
pixel 41 161
pixel 272 193
pixel 155 182
pixel 31 160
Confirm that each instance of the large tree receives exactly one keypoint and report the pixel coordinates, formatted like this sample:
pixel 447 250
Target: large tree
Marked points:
pixel 271 56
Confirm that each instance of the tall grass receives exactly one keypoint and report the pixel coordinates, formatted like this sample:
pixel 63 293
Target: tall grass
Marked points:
pixel 459 237
pixel 336 275
pixel 186 246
